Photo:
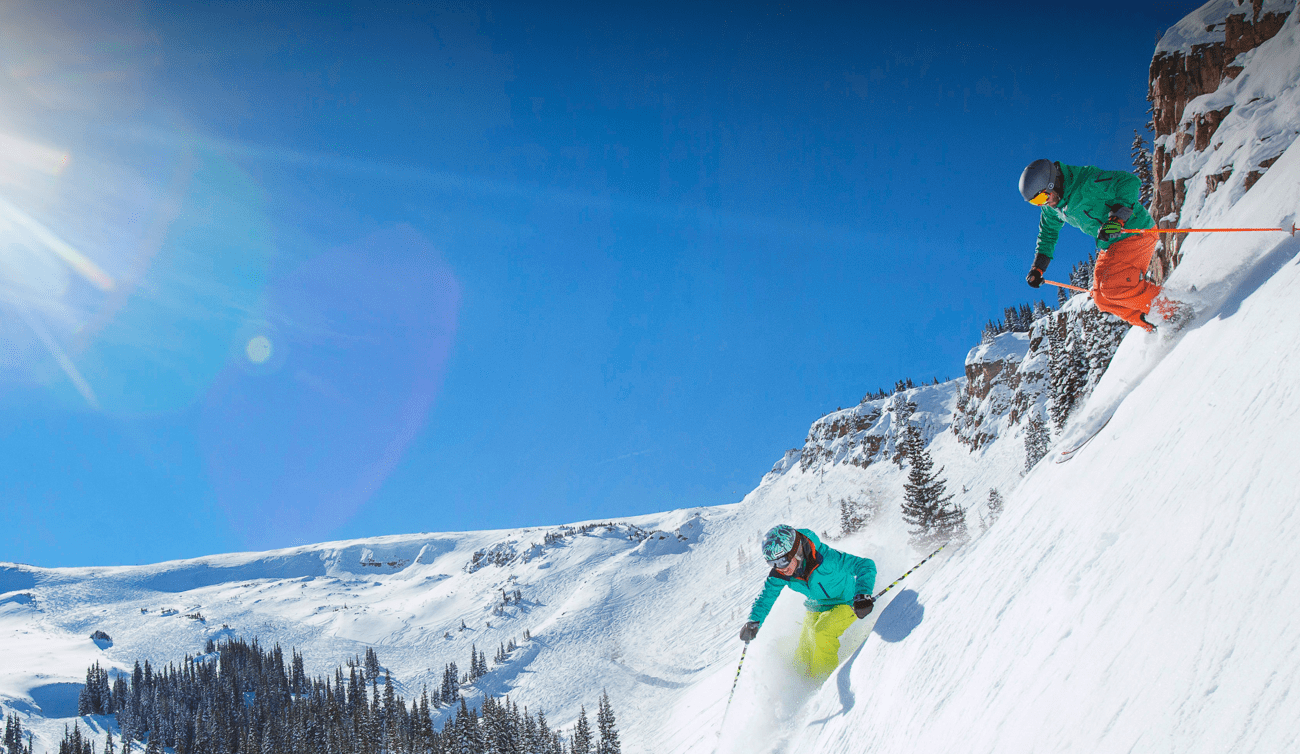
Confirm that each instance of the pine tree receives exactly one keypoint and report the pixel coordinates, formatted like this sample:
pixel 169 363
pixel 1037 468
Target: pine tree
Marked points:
pixel 849 521
pixel 1068 370
pixel 934 518
pixel 1081 273
pixel 450 684
pixel 372 664
pixel 605 724
pixel 1037 440
pixel 582 733
pixel 13 739
pixel 1142 168
pixel 995 505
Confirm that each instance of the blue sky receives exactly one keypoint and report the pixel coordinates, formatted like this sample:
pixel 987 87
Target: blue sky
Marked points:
pixel 277 273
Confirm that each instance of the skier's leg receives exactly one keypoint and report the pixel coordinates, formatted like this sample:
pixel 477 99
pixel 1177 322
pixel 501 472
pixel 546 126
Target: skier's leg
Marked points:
pixel 1131 316
pixel 829 626
pixel 803 654
pixel 1118 287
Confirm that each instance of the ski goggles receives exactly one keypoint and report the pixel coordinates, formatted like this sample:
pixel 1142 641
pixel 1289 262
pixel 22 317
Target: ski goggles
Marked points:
pixel 781 562
pixel 1039 199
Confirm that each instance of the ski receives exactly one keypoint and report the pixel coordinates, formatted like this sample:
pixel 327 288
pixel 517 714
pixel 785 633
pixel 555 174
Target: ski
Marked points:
pixel 1069 452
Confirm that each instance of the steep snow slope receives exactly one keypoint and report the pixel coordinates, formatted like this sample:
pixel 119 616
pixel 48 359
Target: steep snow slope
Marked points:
pixel 1140 597
pixel 1137 597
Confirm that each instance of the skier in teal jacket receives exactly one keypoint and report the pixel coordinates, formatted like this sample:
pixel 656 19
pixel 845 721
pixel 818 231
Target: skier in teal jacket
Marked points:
pixel 837 586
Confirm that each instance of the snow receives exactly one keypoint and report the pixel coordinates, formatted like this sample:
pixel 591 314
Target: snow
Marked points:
pixel 1139 597
pixel 1136 598
pixel 1205 25
pixel 1006 347
pixel 1264 120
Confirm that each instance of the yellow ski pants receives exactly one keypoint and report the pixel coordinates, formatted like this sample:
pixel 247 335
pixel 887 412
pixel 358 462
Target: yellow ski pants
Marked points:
pixel 819 641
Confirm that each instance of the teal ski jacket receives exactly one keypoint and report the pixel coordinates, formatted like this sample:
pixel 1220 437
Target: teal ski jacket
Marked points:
pixel 1089 196
pixel 830 578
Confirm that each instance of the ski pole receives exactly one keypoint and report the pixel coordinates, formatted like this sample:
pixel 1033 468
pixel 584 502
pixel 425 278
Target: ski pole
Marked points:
pixel 1063 285
pixel 1291 230
pixel 733 684
pixel 900 578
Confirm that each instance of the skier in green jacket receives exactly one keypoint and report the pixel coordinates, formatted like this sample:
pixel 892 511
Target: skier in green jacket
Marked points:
pixel 837 585
pixel 1106 205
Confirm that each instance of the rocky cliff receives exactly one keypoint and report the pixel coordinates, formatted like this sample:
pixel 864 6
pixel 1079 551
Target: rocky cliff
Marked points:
pixel 1196 87
pixel 872 431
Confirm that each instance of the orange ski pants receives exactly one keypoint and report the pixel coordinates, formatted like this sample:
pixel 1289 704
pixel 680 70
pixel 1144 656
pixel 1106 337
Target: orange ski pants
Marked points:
pixel 1117 284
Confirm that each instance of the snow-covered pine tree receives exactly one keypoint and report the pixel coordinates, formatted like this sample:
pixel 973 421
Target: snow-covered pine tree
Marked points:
pixel 1037 440
pixel 542 740
pixel 606 726
pixel 96 696
pixel 856 515
pixel 1081 273
pixel 474 671
pixel 582 733
pixel 934 518
pixel 450 683
pixel 1101 334
pixel 13 739
pixel 1068 367
pixel 849 520
pixel 1142 168
pixel 995 505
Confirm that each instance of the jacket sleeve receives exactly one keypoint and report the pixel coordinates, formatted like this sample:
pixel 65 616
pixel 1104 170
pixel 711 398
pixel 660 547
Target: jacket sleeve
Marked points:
pixel 763 604
pixel 1049 229
pixel 865 571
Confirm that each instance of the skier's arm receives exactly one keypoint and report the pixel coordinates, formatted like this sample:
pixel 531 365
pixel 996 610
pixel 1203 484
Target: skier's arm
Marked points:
pixel 766 599
pixel 865 571
pixel 1049 229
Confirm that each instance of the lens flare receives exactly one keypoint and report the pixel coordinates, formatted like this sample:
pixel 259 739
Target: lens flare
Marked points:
pixel 258 349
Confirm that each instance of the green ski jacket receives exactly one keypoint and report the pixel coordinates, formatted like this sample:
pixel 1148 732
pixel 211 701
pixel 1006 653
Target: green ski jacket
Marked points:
pixel 1089 196
pixel 833 579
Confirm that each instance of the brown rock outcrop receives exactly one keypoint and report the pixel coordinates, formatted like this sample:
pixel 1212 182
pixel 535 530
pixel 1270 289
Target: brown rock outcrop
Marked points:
pixel 1176 79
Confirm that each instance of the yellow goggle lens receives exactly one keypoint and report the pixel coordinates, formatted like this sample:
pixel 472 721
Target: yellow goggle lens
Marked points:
pixel 1039 199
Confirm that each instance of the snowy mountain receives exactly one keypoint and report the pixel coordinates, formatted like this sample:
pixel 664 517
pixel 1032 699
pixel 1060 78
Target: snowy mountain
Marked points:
pixel 1134 598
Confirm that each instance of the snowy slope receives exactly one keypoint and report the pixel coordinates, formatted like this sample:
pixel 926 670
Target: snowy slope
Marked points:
pixel 1140 597
pixel 1136 598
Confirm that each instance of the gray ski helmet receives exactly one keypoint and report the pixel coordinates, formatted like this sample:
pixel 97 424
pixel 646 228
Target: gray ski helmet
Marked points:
pixel 778 542
pixel 1039 176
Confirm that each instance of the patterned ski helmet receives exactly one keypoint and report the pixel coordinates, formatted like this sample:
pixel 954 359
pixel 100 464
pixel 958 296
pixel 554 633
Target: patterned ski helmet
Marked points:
pixel 778 542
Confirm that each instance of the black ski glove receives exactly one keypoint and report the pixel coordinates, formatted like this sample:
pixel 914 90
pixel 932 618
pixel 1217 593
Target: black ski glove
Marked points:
pixel 1114 225
pixel 750 630
pixel 862 605
pixel 1113 228
pixel 1035 276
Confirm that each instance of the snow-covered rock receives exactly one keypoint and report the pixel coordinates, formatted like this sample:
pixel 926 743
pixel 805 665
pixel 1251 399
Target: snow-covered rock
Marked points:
pixel 1224 107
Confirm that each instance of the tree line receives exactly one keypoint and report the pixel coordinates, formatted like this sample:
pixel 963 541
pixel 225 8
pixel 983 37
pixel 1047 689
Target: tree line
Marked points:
pixel 247 700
